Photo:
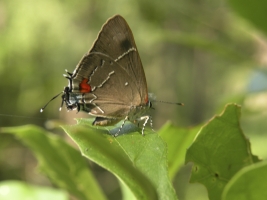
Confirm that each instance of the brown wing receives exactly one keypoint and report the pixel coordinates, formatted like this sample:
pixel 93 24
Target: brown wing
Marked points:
pixel 115 42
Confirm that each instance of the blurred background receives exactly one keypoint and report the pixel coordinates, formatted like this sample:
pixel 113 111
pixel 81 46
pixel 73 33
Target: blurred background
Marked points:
pixel 202 53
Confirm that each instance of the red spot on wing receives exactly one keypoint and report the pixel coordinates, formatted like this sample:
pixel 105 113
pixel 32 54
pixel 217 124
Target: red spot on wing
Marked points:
pixel 84 86
pixel 146 98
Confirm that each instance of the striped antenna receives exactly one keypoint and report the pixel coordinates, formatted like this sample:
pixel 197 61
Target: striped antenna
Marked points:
pixel 42 109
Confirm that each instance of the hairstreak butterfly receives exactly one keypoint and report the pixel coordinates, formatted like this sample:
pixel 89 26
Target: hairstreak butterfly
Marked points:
pixel 109 82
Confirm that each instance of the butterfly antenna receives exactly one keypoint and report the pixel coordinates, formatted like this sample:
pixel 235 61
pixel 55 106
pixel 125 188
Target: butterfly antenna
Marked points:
pixel 42 109
pixel 176 103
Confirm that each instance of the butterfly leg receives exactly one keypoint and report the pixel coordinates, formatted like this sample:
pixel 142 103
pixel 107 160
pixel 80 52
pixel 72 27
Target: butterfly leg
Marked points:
pixel 151 123
pixel 125 119
pixel 146 118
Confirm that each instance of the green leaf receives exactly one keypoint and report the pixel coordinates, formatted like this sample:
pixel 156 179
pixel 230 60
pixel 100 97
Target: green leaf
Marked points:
pixel 253 11
pixel 18 190
pixel 62 163
pixel 249 183
pixel 126 192
pixel 219 151
pixel 178 140
pixel 140 162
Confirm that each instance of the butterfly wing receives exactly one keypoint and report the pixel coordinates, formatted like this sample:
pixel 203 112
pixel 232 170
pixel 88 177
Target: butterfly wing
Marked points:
pixel 113 71
pixel 116 40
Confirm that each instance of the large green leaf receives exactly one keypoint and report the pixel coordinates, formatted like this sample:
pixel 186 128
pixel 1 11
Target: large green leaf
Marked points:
pixel 140 162
pixel 219 151
pixel 253 11
pixel 12 190
pixel 249 183
pixel 178 140
pixel 62 163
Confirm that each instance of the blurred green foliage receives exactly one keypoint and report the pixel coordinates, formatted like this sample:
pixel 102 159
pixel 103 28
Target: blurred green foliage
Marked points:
pixel 202 53
pixel 189 51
